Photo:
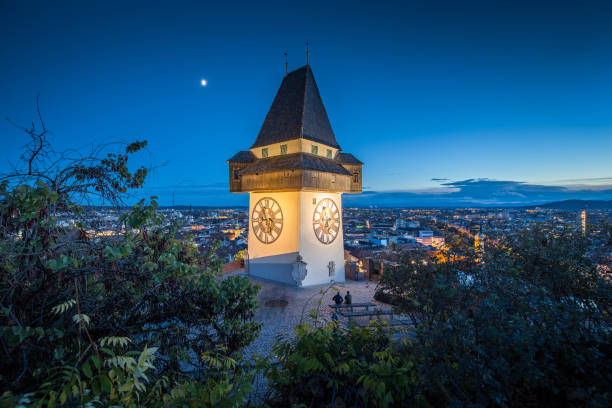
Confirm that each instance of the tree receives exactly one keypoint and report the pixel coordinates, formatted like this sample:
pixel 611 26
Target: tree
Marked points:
pixel 134 317
pixel 528 325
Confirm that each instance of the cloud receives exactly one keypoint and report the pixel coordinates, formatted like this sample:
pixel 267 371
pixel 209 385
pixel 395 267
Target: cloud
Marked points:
pixel 439 179
pixel 587 181
pixel 484 192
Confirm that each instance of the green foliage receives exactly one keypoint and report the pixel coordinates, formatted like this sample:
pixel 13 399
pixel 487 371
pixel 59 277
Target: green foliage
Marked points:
pixel 328 365
pixel 528 325
pixel 63 307
pixel 135 318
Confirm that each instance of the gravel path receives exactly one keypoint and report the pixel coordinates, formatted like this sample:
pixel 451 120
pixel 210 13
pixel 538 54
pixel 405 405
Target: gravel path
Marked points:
pixel 282 307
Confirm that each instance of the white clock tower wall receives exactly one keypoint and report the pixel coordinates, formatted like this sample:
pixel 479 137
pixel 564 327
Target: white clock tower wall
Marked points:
pixel 315 253
pixel 274 261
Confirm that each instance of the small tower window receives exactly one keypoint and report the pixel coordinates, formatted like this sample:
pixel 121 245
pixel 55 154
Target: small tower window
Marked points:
pixel 333 178
pixel 284 149
pixel 264 152
pixel 329 153
pixel 314 174
pixel 355 177
pixel 315 149
pixel 236 174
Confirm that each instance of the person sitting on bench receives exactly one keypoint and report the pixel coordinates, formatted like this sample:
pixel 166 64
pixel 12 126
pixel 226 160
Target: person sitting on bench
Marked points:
pixel 348 298
pixel 337 298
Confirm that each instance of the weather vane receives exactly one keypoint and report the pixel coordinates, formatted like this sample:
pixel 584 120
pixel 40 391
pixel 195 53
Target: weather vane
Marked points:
pixel 286 63
pixel 307 53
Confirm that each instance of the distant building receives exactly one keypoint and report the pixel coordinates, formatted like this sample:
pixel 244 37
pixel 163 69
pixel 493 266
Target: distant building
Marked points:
pixel 355 268
pixel 427 238
pixel 379 241
pixel 400 223
pixel 581 220
pixel 479 242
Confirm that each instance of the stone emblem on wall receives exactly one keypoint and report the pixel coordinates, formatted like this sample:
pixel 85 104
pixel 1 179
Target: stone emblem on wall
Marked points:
pixel 299 272
pixel 331 266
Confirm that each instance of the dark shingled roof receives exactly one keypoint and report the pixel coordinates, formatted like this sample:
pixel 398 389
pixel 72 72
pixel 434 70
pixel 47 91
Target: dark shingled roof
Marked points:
pixel 297 112
pixel 245 156
pixel 347 158
pixel 295 161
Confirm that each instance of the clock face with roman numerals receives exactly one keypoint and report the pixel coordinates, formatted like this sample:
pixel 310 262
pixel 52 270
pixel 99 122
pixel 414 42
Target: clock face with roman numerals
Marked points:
pixel 326 221
pixel 267 220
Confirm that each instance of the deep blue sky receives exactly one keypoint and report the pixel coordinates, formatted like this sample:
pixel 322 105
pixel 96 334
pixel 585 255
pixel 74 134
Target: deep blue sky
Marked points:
pixel 517 92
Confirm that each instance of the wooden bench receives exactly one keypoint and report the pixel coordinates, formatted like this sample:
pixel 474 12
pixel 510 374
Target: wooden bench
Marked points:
pixel 390 323
pixel 344 306
pixel 369 313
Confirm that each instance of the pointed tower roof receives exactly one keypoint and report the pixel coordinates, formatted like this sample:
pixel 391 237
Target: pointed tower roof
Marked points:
pixel 297 112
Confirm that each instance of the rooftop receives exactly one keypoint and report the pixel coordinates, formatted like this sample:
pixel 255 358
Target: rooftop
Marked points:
pixel 245 156
pixel 347 158
pixel 295 161
pixel 297 112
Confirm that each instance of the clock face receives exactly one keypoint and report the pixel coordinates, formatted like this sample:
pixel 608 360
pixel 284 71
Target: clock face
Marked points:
pixel 326 221
pixel 267 220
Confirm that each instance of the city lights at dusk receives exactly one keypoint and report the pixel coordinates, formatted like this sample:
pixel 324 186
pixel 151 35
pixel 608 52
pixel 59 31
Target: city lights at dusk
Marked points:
pixel 325 204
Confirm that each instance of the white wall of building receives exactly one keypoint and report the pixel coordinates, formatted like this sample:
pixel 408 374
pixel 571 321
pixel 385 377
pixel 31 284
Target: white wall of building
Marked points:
pixel 288 240
pixel 315 253
pixel 274 261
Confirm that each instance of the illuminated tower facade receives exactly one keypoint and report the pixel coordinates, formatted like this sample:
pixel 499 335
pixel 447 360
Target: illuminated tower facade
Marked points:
pixel 479 242
pixel 582 220
pixel 295 174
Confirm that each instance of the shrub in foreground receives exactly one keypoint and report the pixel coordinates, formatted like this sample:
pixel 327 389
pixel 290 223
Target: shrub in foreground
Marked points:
pixel 131 317
pixel 332 365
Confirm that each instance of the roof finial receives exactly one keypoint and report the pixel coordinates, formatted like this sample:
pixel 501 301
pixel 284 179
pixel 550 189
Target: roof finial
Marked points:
pixel 286 63
pixel 307 53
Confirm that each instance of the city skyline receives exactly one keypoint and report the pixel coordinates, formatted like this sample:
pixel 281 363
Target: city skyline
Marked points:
pixel 447 105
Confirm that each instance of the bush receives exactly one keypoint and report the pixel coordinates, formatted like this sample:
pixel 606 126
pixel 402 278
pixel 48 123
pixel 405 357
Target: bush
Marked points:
pixel 331 365
pixel 132 318
pixel 528 325
pixel 383 296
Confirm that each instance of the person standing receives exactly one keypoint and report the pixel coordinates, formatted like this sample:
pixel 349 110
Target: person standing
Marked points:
pixel 337 298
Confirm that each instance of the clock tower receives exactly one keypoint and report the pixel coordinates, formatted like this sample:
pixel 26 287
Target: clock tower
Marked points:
pixel 295 174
